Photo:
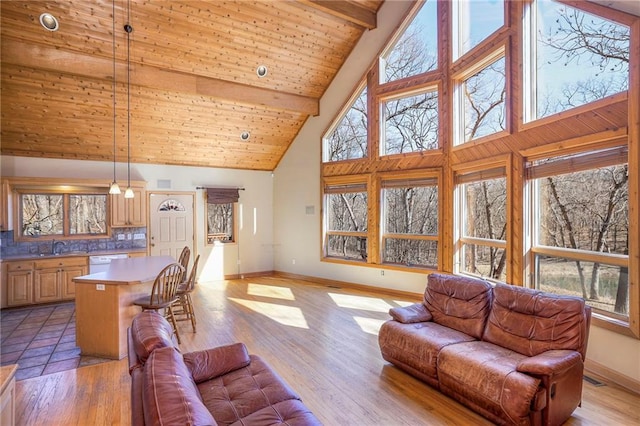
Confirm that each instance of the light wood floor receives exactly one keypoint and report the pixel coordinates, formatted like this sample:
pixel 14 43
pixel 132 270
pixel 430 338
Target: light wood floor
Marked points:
pixel 322 341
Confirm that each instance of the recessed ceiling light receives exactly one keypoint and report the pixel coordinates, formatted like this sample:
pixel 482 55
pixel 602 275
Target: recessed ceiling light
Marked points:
pixel 49 22
pixel 261 70
pixel 245 135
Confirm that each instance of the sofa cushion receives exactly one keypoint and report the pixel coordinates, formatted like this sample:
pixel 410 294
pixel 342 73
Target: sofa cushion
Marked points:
pixel 150 331
pixel 211 363
pixel 531 322
pixel 170 395
pixel 483 375
pixel 237 394
pixel 410 314
pixel 415 347
pixel 458 302
pixel 291 412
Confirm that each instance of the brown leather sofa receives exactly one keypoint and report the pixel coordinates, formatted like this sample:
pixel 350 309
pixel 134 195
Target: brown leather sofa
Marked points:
pixel 512 354
pixel 223 385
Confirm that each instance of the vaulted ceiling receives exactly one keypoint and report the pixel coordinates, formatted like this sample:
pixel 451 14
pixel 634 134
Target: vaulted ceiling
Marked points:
pixel 194 88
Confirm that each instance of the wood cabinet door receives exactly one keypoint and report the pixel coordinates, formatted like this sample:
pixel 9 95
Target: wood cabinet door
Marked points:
pixel 47 285
pixel 19 288
pixel 66 276
pixel 136 208
pixel 118 210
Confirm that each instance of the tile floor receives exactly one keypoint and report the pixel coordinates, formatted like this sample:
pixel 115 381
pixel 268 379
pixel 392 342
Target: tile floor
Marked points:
pixel 41 340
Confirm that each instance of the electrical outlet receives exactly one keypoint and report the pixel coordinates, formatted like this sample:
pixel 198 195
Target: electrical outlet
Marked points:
pixel 382 272
pixel 128 236
pixel 100 287
pixel 120 237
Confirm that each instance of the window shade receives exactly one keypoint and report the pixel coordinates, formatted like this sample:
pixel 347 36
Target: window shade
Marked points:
pixel 222 195
pixel 577 163
pixel 340 189
pixel 409 183
pixel 498 172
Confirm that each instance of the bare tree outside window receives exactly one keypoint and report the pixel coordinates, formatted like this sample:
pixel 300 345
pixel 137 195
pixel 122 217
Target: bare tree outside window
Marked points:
pixel 42 214
pixel 62 214
pixel 410 215
pixel 484 101
pixel 485 228
pixel 585 211
pixel 349 139
pixel 347 225
pixel 220 225
pixel 580 58
pixel 411 123
pixel 87 214
pixel 415 51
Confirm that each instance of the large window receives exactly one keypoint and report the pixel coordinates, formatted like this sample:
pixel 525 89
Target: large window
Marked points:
pixel 481 206
pixel 52 213
pixel 481 102
pixel 474 21
pixel 410 222
pixel 415 52
pixel 572 57
pixel 411 123
pixel 221 215
pixel 580 227
pixel 346 221
pixel 348 139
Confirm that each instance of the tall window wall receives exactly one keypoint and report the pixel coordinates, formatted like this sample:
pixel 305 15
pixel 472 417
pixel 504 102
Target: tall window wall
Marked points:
pixel 497 139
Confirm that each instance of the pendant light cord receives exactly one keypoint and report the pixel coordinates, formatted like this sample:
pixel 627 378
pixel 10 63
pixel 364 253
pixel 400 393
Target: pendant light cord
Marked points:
pixel 128 28
pixel 114 88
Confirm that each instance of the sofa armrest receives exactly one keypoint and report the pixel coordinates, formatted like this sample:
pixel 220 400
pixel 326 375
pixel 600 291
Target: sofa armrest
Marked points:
pixel 211 363
pixel 549 363
pixel 410 314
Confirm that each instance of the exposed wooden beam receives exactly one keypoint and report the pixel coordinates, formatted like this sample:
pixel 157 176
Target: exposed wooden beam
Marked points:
pixel 347 11
pixel 37 57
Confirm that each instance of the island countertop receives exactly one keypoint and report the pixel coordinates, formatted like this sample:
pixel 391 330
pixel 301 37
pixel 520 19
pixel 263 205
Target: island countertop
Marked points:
pixel 130 271
pixel 104 303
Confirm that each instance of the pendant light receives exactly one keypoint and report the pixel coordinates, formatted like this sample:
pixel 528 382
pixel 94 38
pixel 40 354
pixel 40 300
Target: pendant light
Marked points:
pixel 128 28
pixel 114 188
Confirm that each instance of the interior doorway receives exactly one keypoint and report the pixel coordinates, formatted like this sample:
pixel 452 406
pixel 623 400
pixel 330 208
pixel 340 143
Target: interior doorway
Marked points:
pixel 171 223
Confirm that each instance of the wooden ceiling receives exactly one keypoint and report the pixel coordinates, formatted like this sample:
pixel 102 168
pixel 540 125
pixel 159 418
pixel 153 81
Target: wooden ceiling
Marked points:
pixel 194 87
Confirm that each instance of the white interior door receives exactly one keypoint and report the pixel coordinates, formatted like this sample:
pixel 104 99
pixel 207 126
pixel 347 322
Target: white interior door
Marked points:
pixel 171 225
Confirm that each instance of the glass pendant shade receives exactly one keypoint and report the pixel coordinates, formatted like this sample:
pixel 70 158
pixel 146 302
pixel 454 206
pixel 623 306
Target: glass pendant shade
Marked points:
pixel 128 193
pixel 114 188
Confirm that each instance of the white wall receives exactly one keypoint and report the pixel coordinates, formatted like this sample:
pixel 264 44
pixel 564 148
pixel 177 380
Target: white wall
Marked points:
pixel 297 186
pixel 255 246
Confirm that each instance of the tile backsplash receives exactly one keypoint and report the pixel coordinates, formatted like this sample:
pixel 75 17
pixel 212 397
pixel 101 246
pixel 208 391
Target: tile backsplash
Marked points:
pixel 121 239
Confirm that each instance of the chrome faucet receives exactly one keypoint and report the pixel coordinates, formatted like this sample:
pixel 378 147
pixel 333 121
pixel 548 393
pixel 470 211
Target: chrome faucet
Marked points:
pixel 55 246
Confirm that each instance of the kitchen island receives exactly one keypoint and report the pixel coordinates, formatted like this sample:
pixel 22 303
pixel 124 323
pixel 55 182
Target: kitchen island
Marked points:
pixel 104 303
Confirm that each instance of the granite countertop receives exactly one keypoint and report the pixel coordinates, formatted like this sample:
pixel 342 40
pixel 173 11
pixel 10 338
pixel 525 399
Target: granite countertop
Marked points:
pixel 72 254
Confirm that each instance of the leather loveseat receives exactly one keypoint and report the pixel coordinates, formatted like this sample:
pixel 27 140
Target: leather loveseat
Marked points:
pixel 223 385
pixel 512 354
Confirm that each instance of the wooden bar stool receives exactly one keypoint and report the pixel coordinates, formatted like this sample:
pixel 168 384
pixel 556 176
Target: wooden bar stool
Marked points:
pixel 184 304
pixel 164 293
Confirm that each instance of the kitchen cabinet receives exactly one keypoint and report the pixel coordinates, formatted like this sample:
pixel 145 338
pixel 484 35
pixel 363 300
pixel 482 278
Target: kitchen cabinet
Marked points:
pixel 129 211
pixel 19 283
pixel 8 394
pixel 42 281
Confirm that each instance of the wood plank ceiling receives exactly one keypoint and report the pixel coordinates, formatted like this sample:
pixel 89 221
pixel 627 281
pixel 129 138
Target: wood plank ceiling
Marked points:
pixel 194 86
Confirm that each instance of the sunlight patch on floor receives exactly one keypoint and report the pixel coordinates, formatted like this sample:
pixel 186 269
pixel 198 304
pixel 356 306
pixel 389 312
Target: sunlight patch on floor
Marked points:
pixel 369 325
pixel 270 291
pixel 286 315
pixel 373 304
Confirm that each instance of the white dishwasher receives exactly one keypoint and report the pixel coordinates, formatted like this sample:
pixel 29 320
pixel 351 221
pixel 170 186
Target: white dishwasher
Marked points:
pixel 100 263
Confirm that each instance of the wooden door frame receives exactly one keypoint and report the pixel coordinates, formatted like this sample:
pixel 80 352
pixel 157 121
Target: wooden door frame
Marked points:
pixel 194 245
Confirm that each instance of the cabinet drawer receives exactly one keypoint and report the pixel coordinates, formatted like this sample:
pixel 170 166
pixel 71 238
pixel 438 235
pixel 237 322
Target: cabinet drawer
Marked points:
pixel 19 266
pixel 60 262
